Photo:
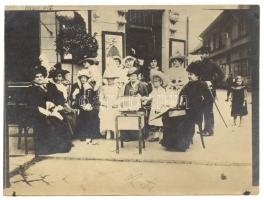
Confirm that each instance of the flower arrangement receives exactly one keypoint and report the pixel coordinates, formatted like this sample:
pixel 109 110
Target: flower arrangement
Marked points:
pixel 73 38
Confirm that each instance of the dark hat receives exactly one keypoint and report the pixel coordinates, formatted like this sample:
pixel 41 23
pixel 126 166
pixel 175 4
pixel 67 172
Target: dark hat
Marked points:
pixel 38 69
pixel 195 67
pixel 57 70
pixel 137 64
pixel 133 70
pixel 204 49
pixel 92 61
pixel 153 58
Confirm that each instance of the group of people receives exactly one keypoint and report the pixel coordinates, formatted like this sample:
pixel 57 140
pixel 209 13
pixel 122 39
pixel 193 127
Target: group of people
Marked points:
pixel 86 110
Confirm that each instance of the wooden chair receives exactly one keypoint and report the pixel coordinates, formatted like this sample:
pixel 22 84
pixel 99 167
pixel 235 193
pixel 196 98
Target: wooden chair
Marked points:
pixel 17 113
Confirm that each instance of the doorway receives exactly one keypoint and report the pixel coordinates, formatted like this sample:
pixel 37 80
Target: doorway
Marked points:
pixel 21 44
pixel 144 34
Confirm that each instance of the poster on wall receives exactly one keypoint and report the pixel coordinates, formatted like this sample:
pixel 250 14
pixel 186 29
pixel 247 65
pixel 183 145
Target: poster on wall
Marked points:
pixel 177 46
pixel 112 45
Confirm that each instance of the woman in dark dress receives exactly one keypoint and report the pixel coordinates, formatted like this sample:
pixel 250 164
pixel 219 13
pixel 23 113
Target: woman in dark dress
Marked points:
pixel 58 94
pixel 86 100
pixel 239 101
pixel 179 130
pixel 50 131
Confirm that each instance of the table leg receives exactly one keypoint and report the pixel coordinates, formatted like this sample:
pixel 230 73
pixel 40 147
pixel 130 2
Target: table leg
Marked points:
pixel 121 140
pixel 20 129
pixel 143 137
pixel 140 136
pixel 26 139
pixel 117 135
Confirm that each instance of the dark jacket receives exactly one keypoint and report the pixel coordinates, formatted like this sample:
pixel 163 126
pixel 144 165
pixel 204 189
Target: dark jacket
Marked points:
pixel 140 88
pixel 55 95
pixel 84 97
pixel 196 94
pixel 211 72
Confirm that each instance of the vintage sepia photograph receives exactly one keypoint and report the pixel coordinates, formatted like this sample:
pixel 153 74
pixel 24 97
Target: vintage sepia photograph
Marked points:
pixel 131 100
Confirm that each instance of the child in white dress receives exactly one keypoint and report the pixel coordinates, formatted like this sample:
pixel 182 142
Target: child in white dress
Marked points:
pixel 158 103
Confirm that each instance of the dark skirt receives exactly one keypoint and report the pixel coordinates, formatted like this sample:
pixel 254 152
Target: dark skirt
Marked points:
pixel 88 125
pixel 177 132
pixel 239 109
pixel 51 136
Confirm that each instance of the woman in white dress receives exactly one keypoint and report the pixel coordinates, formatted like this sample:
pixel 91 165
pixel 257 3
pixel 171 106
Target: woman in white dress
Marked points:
pixel 109 108
pixel 177 74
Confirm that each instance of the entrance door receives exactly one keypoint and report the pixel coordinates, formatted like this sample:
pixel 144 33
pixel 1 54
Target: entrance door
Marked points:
pixel 143 34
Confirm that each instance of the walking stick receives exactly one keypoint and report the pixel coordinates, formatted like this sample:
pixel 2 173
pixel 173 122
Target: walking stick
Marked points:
pixel 201 134
pixel 218 109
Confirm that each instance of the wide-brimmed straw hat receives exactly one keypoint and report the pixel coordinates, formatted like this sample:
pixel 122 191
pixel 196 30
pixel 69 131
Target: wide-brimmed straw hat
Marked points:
pixel 117 58
pixel 83 72
pixel 92 61
pixel 177 56
pixel 161 75
pixel 133 70
pixel 110 73
pixel 129 58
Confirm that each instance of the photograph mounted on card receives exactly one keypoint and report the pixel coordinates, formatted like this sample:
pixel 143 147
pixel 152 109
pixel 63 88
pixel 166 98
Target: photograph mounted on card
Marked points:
pixel 113 44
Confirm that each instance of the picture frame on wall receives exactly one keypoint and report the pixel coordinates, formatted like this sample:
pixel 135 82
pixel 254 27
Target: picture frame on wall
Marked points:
pixel 177 45
pixel 113 44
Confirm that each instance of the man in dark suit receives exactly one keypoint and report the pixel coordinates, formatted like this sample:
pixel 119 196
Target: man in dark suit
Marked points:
pixel 212 75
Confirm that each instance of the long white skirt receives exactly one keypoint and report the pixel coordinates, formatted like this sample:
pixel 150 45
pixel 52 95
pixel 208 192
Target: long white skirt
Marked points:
pixel 107 118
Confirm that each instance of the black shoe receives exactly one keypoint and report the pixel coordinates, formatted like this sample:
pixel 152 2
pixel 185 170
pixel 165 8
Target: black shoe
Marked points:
pixel 82 139
pixel 211 133
pixel 154 140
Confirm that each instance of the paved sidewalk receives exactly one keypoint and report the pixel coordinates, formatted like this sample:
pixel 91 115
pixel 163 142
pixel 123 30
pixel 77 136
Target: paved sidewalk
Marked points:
pixel 224 167
pixel 229 146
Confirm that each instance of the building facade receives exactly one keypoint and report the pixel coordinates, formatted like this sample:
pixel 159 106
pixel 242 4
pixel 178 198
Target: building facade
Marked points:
pixel 152 32
pixel 233 41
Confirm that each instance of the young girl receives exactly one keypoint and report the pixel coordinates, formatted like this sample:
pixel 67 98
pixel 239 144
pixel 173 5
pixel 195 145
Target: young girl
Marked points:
pixel 157 96
pixel 86 100
pixel 108 97
pixel 239 102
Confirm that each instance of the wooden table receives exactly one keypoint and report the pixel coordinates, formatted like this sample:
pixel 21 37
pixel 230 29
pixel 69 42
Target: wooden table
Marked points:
pixel 130 121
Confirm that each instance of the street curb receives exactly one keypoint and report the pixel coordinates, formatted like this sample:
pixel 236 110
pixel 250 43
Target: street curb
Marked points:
pixel 150 161
pixel 24 166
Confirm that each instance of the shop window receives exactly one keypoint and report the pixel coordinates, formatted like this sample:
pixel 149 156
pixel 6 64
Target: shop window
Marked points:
pixel 217 41
pixel 244 68
pixel 235 31
pixel 242 28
